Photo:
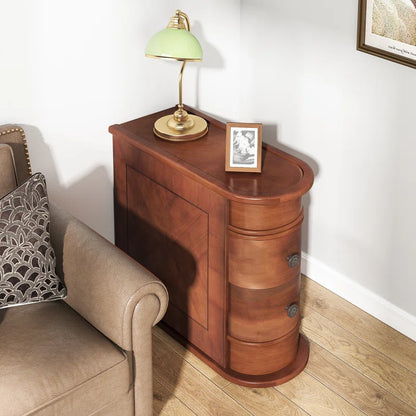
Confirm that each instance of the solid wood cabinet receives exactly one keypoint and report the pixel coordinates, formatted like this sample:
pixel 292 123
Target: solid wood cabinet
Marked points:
pixel 227 246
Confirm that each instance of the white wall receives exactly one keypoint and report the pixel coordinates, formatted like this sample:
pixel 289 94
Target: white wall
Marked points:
pixel 351 116
pixel 69 70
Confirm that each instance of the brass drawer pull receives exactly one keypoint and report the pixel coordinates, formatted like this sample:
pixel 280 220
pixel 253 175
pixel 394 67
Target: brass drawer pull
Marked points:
pixel 292 310
pixel 293 260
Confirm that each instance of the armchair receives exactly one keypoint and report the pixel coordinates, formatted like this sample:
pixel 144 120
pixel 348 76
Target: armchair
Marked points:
pixel 90 354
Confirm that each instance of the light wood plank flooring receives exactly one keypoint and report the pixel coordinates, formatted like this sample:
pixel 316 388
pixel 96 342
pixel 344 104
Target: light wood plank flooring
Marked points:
pixel 357 366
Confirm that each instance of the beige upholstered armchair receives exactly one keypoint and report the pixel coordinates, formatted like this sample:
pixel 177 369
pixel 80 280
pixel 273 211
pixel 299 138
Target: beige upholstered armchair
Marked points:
pixel 89 354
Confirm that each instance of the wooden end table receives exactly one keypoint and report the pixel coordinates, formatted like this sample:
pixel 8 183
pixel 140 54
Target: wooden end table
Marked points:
pixel 226 245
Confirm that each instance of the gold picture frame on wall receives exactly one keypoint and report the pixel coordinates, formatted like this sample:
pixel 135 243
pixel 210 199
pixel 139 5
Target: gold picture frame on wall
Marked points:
pixel 387 29
pixel 243 147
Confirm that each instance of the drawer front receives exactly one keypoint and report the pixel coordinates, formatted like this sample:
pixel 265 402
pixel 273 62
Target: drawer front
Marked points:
pixel 263 358
pixel 262 315
pixel 253 217
pixel 264 262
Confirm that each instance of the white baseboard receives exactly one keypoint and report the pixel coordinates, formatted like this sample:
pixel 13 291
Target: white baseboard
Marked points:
pixel 359 296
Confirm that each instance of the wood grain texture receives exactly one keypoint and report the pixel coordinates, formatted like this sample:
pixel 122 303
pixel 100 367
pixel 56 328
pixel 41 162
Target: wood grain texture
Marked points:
pixel 166 404
pixel 177 232
pixel 176 249
pixel 258 358
pixel 387 373
pixel 329 385
pixel 261 315
pixel 187 356
pixel 262 262
pixel 308 393
pixel 120 195
pixel 264 401
pixel 191 386
pixel 287 177
pixel 379 335
pixel 172 207
pixel 264 217
pixel 354 386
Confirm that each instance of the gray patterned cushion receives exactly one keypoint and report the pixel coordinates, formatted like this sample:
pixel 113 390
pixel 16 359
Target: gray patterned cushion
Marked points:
pixel 27 259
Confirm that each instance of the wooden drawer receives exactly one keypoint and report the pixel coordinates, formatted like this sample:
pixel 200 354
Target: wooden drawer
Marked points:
pixel 265 357
pixel 263 262
pixel 262 217
pixel 261 315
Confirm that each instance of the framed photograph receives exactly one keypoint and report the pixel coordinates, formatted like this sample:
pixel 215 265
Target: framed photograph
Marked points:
pixel 387 28
pixel 243 147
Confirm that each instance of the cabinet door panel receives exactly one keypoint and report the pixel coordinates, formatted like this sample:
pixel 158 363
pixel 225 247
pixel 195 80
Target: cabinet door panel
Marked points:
pixel 175 227
pixel 168 235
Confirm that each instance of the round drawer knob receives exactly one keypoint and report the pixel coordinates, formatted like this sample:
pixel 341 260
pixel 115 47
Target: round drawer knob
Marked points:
pixel 293 260
pixel 292 310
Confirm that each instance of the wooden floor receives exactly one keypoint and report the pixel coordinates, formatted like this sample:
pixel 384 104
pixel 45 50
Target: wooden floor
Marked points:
pixel 357 366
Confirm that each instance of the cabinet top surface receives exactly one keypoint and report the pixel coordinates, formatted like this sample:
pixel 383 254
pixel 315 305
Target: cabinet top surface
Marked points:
pixel 283 176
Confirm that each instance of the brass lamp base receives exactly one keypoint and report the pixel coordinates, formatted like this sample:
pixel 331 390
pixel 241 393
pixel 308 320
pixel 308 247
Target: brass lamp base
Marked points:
pixel 169 128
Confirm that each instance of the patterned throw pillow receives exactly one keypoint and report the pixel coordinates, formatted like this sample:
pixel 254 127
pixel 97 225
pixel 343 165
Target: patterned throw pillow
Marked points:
pixel 27 259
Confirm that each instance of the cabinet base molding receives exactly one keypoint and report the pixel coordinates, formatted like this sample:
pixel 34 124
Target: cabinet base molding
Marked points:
pixel 268 380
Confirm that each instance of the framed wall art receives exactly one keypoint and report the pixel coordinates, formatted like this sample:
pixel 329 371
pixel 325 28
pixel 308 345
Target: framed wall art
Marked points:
pixel 387 28
pixel 243 147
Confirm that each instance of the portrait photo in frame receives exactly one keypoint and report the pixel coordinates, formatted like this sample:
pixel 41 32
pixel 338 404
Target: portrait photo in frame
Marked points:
pixel 387 29
pixel 243 147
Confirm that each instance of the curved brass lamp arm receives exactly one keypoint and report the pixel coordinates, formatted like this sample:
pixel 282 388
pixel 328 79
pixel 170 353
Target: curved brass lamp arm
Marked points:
pixel 180 21
pixel 180 105
pixel 181 114
pixel 185 16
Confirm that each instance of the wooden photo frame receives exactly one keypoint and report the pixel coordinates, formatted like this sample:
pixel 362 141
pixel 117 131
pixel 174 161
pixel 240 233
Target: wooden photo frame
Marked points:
pixel 243 147
pixel 387 30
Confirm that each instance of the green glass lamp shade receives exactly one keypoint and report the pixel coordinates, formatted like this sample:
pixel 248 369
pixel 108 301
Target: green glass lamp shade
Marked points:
pixel 172 43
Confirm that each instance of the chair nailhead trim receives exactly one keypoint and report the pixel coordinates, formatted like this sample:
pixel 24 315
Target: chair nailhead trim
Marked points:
pixel 22 133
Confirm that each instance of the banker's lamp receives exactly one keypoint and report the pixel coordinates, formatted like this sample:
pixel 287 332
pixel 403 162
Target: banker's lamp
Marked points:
pixel 177 42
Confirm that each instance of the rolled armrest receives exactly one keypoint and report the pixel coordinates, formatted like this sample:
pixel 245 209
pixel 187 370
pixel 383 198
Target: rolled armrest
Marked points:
pixel 104 285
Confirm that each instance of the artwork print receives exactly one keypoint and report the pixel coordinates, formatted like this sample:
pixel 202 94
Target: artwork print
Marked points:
pixel 244 143
pixel 387 28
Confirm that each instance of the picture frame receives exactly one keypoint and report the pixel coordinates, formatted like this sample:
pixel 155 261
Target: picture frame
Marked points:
pixel 243 147
pixel 387 30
